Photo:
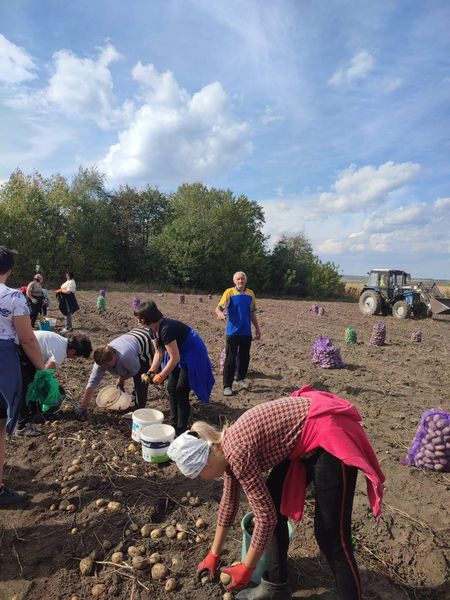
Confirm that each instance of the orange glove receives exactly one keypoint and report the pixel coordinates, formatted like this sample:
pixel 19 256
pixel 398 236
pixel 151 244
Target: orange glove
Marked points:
pixel 209 564
pixel 158 379
pixel 240 575
pixel 59 291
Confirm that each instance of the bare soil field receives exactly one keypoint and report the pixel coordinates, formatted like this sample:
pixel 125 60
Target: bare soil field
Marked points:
pixel 405 556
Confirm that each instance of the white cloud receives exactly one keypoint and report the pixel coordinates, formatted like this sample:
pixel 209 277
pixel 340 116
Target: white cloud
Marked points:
pixel 359 189
pixel 443 203
pixel 360 66
pixel 175 136
pixel 269 116
pixel 16 65
pixel 83 86
pixel 405 216
pixel 392 84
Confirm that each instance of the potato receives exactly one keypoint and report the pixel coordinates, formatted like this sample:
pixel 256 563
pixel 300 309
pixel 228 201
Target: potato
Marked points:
pixel 171 532
pixel 106 545
pixel 181 535
pixel 155 533
pixel 171 585
pixel 117 557
pixel 139 562
pixel 63 504
pixel 133 526
pixel 438 467
pixel 225 578
pixel 146 530
pixel 74 531
pixel 133 448
pixel 99 589
pixel 95 445
pixel 71 508
pixel 180 527
pixel 159 571
pixel 114 506
pixel 200 523
pixel 133 551
pixel 177 561
pixel 205 579
pixel 86 566
pixel 155 558
pixel 53 507
pixel 73 469
pixel 75 488
pixel 100 502
pixel 77 461
pixel 227 596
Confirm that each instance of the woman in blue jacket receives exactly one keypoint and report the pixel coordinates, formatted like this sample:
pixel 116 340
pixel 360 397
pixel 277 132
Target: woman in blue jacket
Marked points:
pixel 186 365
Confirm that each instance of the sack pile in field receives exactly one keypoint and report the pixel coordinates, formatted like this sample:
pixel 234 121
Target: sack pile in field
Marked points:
pixel 416 336
pixel 378 336
pixel 314 309
pixel 350 335
pixel 200 299
pixel 321 311
pixel 325 354
pixel 431 446
pixel 136 302
pixel 181 299
pixel 222 358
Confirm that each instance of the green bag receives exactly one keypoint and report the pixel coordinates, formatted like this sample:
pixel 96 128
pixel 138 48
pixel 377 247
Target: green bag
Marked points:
pixel 44 390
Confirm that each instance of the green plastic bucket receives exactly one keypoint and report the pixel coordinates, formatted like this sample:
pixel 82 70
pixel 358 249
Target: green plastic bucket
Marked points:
pixel 246 539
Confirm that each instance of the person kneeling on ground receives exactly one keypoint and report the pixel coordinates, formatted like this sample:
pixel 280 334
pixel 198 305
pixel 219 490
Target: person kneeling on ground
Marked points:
pixel 128 355
pixel 312 436
pixel 55 349
pixel 188 365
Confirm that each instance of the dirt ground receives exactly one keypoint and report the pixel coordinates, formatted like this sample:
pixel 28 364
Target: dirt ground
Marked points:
pixel 405 556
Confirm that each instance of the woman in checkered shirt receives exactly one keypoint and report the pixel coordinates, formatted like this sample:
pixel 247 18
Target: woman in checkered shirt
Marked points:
pixel 309 437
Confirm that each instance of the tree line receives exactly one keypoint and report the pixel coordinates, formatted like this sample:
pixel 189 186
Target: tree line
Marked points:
pixel 194 238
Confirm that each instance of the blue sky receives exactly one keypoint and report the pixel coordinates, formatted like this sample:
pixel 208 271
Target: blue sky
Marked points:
pixel 333 115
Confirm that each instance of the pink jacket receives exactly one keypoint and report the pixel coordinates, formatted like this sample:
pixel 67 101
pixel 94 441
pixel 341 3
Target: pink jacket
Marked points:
pixel 334 425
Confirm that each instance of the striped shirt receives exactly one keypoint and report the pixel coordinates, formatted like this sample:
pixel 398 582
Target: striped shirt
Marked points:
pixel 260 439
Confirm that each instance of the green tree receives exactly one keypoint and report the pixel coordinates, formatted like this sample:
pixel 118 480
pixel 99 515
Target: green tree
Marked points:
pixel 211 235
pixel 135 219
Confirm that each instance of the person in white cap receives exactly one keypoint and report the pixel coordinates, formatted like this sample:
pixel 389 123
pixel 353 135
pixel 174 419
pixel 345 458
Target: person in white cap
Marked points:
pixel 311 436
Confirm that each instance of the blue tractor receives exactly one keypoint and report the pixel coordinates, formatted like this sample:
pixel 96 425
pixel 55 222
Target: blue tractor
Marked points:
pixel 389 291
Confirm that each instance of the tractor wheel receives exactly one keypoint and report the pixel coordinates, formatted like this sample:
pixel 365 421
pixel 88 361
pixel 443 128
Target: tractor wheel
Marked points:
pixel 370 303
pixel 401 310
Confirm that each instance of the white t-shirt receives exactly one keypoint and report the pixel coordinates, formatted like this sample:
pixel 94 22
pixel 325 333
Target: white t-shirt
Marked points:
pixel 53 346
pixel 69 286
pixel 12 304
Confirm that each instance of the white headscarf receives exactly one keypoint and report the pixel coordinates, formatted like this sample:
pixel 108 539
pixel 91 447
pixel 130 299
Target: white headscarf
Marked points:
pixel 190 454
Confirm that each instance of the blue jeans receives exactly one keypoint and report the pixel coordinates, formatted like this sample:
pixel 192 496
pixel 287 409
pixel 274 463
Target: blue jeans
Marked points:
pixel 69 321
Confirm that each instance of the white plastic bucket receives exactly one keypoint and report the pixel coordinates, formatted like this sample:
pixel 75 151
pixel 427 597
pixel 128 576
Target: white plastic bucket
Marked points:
pixel 143 417
pixel 155 440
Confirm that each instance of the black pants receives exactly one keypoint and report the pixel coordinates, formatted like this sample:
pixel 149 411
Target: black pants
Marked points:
pixel 334 484
pixel 236 344
pixel 35 310
pixel 28 370
pixel 178 389
pixel 140 388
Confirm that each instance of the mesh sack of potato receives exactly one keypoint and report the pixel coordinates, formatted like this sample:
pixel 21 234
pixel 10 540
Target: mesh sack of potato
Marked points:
pixel 350 335
pixel 314 308
pixel 378 336
pixel 416 336
pixel 430 448
pixel 325 354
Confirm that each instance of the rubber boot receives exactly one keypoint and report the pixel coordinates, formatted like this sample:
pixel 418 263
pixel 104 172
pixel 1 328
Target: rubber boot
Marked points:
pixel 266 591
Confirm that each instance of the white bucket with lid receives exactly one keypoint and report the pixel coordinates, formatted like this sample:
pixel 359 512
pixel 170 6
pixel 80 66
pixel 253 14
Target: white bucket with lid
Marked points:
pixel 155 440
pixel 143 417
